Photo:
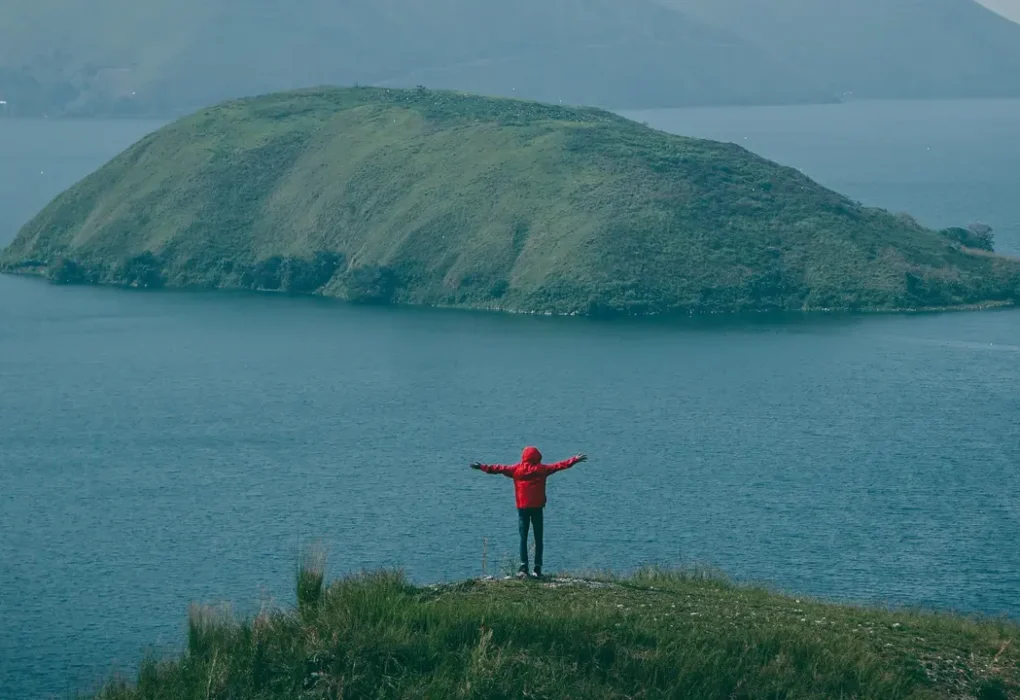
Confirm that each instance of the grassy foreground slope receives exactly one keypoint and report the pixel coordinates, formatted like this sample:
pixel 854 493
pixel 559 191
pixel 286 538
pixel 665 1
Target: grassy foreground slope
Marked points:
pixel 438 198
pixel 656 635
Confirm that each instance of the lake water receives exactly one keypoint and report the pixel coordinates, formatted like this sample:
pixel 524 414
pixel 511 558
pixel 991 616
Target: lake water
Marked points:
pixel 158 448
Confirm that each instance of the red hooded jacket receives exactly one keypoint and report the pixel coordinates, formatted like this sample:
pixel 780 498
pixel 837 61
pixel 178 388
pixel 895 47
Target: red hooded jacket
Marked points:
pixel 529 476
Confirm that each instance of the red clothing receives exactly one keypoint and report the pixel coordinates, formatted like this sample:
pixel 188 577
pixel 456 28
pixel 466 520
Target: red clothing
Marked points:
pixel 529 476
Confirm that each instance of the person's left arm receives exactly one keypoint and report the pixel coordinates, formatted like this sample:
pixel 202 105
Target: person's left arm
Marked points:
pixel 504 469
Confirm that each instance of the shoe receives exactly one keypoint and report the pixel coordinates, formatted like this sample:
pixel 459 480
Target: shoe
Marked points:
pixel 522 572
pixel 538 572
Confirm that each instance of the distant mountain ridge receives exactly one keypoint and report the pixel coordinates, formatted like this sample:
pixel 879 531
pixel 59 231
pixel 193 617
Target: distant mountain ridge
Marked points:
pixel 1010 9
pixel 896 49
pixel 163 57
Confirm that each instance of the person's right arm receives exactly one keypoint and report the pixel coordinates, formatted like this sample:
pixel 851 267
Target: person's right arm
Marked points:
pixel 566 464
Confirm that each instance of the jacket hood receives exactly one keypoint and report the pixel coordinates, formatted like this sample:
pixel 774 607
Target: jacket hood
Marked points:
pixel 531 455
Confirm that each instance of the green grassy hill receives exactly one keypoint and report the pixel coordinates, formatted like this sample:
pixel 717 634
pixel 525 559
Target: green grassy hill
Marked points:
pixel 436 198
pixel 655 635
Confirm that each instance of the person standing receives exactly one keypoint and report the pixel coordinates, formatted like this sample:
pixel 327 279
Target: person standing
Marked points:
pixel 529 477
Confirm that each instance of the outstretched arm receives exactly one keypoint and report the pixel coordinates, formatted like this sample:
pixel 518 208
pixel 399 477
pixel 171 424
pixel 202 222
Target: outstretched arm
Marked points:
pixel 504 469
pixel 567 463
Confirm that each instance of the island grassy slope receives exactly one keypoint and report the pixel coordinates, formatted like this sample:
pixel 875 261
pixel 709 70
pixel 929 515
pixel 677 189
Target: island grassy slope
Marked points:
pixel 438 198
pixel 654 635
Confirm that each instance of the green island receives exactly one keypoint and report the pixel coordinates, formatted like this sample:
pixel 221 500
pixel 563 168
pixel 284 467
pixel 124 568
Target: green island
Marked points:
pixel 446 199
pixel 654 634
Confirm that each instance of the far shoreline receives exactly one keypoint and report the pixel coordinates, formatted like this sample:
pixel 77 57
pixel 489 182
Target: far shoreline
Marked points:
pixel 787 314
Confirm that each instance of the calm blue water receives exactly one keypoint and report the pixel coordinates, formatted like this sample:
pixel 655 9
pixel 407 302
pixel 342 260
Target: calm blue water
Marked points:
pixel 159 448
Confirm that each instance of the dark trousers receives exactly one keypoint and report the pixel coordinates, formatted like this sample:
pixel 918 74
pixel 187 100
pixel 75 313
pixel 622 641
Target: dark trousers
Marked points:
pixel 525 518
